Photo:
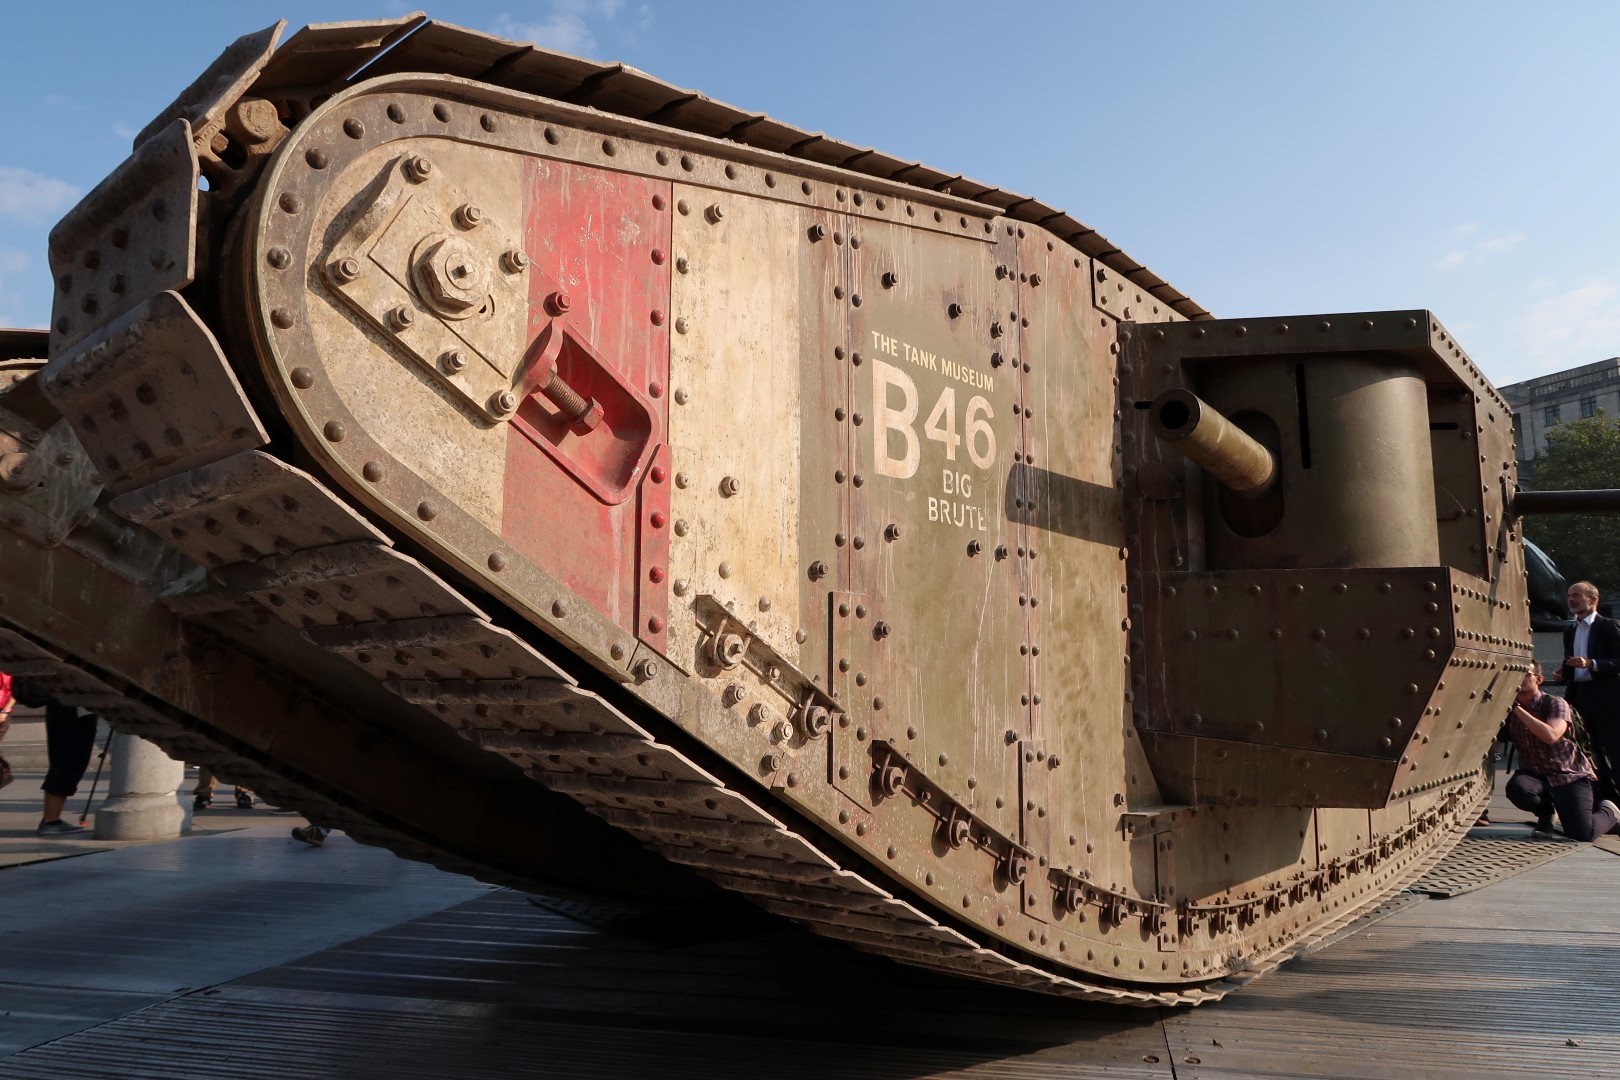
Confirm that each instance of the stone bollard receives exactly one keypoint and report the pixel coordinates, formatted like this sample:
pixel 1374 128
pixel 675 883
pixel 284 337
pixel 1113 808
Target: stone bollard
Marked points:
pixel 141 802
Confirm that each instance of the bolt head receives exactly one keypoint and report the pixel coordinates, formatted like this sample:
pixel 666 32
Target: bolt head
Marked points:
pixel 515 261
pixel 418 169
pixel 452 277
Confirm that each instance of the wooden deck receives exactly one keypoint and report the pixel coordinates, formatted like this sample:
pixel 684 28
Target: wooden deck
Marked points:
pixel 243 954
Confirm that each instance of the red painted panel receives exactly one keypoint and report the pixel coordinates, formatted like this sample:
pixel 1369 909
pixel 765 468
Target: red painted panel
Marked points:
pixel 585 507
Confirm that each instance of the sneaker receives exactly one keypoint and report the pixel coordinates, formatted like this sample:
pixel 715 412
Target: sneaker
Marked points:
pixel 1543 826
pixel 202 802
pixel 1484 819
pixel 244 800
pixel 1608 804
pixel 59 828
pixel 313 835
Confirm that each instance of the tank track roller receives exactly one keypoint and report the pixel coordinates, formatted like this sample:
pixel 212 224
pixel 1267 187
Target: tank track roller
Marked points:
pixel 876 545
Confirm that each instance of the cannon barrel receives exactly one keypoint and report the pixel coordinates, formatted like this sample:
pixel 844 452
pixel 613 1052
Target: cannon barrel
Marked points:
pixel 1590 501
pixel 1192 426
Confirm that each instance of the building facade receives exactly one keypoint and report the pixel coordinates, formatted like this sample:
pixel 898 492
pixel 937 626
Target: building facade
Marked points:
pixel 1546 401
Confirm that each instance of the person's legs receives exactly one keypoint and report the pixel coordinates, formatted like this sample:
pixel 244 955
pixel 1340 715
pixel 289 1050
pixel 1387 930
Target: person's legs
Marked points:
pixel 1575 810
pixel 69 739
pixel 203 793
pixel 1529 793
pixel 1605 739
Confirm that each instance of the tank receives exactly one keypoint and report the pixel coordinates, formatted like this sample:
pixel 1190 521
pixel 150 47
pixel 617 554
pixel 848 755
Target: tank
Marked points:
pixel 565 478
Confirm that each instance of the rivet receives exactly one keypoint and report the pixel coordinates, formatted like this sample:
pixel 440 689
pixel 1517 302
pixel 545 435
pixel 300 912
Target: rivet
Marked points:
pixel 336 430
pixel 426 511
pixel 303 378
pixel 372 471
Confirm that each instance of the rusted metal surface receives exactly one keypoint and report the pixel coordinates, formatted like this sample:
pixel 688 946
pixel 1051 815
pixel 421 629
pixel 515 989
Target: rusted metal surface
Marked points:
pixel 150 393
pixel 803 522
pixel 129 240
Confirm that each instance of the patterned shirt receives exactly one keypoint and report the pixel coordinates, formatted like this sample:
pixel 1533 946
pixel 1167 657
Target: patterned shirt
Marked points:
pixel 1558 762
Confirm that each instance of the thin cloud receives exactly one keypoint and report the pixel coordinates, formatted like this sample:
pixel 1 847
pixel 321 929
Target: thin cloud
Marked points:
pixel 32 197
pixel 1479 250
pixel 1577 326
pixel 568 26
pixel 1499 244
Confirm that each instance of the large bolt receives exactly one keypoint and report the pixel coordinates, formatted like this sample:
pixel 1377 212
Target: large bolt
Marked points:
pixel 453 278
pixel 817 232
pixel 715 214
pixel 880 630
pixel 646 670
pixel 502 401
pixel 401 317
pixel 782 731
pixel 891 532
pixel 892 780
pixel 16 473
pixel 468 216
pixel 346 269
pixel 891 278
pixel 730 486
pixel 729 649
pixel 818 570
pixel 955 311
pixel 817 721
pixel 418 169
pixel 515 261
pixel 454 360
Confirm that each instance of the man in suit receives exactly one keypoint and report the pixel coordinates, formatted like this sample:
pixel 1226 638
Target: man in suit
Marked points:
pixel 1591 674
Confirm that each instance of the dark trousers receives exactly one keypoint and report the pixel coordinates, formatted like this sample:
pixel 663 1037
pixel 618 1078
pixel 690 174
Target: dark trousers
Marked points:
pixel 1572 801
pixel 69 738
pixel 1602 724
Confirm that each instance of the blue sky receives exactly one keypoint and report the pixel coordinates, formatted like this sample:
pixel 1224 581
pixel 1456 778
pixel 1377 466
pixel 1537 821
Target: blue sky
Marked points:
pixel 1268 158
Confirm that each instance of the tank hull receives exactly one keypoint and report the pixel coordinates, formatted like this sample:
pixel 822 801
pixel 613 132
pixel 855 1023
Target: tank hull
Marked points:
pixel 804 524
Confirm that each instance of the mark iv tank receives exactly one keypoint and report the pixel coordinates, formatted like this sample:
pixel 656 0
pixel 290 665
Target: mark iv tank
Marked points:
pixel 568 479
